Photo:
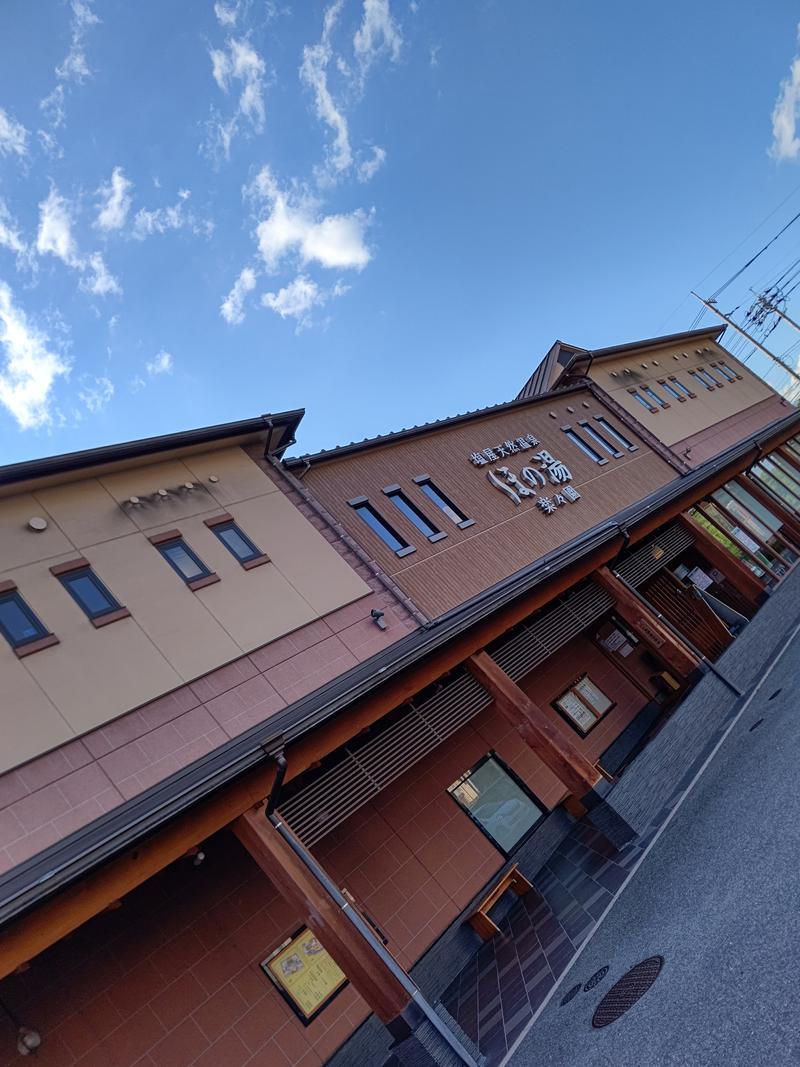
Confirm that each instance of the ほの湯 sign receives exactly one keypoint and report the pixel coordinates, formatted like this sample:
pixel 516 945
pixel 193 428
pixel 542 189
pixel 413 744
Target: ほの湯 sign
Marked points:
pixel 540 471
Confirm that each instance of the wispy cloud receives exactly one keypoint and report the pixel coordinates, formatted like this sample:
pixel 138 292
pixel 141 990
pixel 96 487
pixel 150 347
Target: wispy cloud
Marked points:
pixel 30 369
pixel 377 35
pixel 175 217
pixel 55 238
pixel 293 224
pixel 74 69
pixel 237 66
pixel 297 299
pixel 94 393
pixel 160 364
pixel 314 74
pixel 228 11
pixel 370 167
pixel 10 238
pixel 232 307
pixel 13 136
pixel 115 201
pixel 785 142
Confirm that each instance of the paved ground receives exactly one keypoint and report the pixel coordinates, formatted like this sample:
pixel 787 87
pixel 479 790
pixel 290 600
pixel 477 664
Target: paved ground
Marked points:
pixel 718 896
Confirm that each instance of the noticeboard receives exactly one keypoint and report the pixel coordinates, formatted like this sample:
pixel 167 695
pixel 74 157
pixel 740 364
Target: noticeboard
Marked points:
pixel 305 974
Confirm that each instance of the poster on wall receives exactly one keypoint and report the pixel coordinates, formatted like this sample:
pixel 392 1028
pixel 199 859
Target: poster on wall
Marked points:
pixel 306 976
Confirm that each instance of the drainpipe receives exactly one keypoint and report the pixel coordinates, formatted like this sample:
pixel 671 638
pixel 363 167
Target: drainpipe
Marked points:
pixel 361 926
pixel 681 637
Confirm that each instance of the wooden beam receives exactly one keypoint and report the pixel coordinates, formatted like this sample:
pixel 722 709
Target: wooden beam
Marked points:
pixel 790 458
pixel 725 562
pixel 772 504
pixel 646 624
pixel 550 744
pixel 368 973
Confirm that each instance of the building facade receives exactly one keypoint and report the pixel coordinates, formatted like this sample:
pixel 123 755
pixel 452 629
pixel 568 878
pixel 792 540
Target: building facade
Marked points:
pixel 275 728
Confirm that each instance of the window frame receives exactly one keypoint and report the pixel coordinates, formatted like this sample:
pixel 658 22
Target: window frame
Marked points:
pixel 82 568
pixel 395 492
pixel 598 715
pixel 362 502
pixel 43 638
pixel 695 373
pixel 165 540
pixel 689 394
pixel 522 786
pixel 597 436
pixel 671 390
pixel 629 446
pixel 583 446
pixel 645 403
pixel 422 480
pixel 704 372
pixel 727 371
pixel 226 521
pixel 650 391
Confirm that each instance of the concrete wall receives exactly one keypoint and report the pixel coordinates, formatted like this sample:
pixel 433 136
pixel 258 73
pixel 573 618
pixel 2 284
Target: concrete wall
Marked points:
pixel 173 635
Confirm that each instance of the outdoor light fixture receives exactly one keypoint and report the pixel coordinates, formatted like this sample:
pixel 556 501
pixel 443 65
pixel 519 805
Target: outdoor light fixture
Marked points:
pixel 28 1040
pixel 378 619
pixel 213 478
pixel 162 493
pixel 37 523
pixel 188 486
pixel 134 501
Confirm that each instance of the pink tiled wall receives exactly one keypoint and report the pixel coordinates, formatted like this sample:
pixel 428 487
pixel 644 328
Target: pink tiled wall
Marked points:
pixel 172 978
pixel 64 790
pixel 715 439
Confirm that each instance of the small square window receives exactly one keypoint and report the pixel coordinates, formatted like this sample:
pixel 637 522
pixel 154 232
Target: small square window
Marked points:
pixel 583 705
pixel 237 542
pixel 18 623
pixel 89 593
pixel 498 802
pixel 185 562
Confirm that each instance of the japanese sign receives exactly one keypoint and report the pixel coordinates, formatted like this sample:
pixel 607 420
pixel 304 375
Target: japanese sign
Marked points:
pixel 540 471
pixel 305 974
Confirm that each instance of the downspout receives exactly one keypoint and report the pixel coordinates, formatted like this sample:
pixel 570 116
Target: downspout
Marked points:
pixel 366 931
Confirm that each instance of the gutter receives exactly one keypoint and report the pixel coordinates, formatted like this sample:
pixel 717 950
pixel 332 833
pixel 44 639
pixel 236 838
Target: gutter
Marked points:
pixel 62 863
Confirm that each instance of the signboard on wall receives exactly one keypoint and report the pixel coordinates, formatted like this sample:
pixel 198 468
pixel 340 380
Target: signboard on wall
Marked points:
pixel 305 974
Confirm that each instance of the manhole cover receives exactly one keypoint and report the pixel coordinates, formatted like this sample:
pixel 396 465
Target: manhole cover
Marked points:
pixel 777 691
pixel 570 993
pixel 596 978
pixel 624 993
pixel 755 724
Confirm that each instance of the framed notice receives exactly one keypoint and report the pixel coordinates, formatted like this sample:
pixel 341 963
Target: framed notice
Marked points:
pixel 584 704
pixel 306 976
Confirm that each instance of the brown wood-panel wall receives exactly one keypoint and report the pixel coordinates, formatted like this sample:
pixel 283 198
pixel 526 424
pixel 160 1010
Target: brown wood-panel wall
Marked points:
pixel 504 537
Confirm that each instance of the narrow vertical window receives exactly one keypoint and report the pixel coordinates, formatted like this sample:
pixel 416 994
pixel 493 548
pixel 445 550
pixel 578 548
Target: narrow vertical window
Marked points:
pixel 617 435
pixel 90 594
pixel 731 375
pixel 432 492
pixel 679 385
pixel 598 437
pixel 587 449
pixel 19 625
pixel 642 400
pixel 699 378
pixel 367 513
pixel 707 376
pixel 186 563
pixel 668 389
pixel 653 395
pixel 412 513
pixel 236 541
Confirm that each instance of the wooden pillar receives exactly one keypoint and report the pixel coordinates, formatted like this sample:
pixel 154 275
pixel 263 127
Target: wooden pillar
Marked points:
pixel 722 560
pixel 382 992
pixel 779 510
pixel 550 744
pixel 646 624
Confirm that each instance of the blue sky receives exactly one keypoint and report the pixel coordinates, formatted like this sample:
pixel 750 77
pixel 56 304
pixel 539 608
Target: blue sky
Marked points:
pixel 382 211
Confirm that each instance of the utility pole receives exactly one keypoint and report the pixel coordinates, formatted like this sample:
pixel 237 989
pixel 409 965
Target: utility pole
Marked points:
pixel 770 355
pixel 771 307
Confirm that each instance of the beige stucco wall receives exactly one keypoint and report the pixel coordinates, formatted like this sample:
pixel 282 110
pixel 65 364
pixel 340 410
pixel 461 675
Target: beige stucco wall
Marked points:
pixel 173 635
pixel 680 420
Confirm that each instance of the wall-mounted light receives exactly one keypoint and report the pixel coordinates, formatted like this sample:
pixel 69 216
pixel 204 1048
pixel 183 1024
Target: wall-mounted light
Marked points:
pixel 188 486
pixel 37 523
pixel 213 478
pixel 162 493
pixel 28 1040
pixel 135 502
pixel 378 619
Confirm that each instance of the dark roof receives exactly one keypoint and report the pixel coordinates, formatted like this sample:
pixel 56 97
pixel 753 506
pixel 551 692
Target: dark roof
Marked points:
pixel 286 422
pixel 62 863
pixel 416 431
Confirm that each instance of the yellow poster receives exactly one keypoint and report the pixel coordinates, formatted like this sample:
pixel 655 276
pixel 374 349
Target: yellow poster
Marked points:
pixel 305 971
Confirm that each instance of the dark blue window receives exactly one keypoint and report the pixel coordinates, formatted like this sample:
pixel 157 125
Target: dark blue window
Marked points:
pixel 182 560
pixel 18 623
pixel 432 492
pixel 412 513
pixel 378 525
pixel 236 541
pixel 88 591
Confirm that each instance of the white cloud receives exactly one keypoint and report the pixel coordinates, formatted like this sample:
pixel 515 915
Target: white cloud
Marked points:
pixel 160 364
pixel 228 11
pixel 13 136
pixel 176 217
pixel 297 299
pixel 785 142
pixel 30 370
pixel 10 238
pixel 377 34
pixel 55 238
pixel 232 307
pixel 314 73
pixel 241 63
pixel 74 68
pixel 370 167
pixel 95 393
pixel 293 224
pixel 115 201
